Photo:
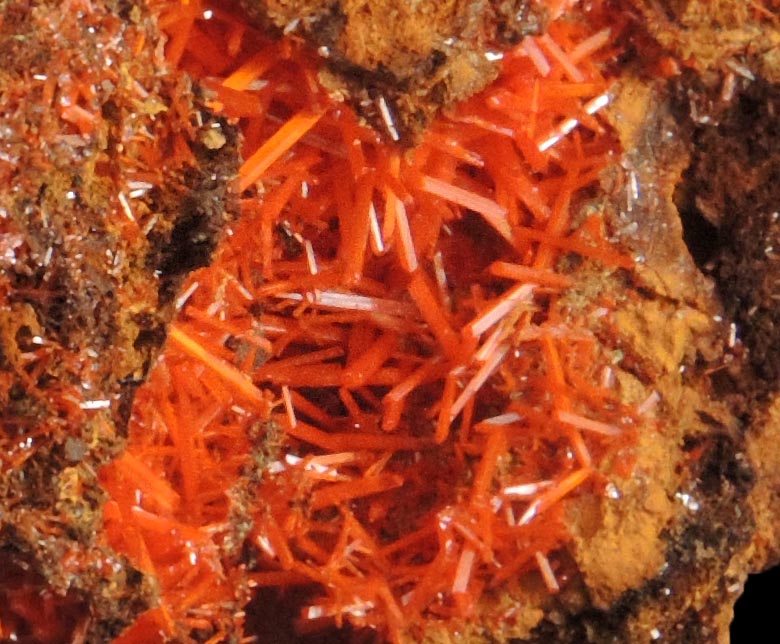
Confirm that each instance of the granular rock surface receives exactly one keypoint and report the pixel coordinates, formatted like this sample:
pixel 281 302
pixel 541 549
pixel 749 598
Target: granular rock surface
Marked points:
pixel 108 195
pixel 116 179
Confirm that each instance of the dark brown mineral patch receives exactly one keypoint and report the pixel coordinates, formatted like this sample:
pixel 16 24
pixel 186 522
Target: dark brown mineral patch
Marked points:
pixel 731 198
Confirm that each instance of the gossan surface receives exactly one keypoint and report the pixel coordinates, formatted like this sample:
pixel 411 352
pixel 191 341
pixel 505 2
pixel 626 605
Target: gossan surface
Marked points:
pixel 104 187
pixel 378 393
pixel 407 59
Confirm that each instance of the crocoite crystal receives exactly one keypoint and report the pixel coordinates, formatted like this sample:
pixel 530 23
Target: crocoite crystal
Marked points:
pixel 378 392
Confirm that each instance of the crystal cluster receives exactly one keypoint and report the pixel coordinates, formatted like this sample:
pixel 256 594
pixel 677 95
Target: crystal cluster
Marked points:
pixel 384 386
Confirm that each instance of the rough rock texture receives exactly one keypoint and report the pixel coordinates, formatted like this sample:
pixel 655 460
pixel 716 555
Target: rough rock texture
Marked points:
pixel 89 266
pixel 406 59
pixel 731 191
pixel 714 32
pixel 695 201
pixel 107 197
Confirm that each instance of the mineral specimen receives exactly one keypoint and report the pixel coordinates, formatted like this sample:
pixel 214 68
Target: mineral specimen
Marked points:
pixel 474 389
pixel 108 194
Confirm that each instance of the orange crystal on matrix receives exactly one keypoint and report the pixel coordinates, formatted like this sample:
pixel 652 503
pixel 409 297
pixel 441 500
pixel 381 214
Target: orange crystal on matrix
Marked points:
pixel 379 392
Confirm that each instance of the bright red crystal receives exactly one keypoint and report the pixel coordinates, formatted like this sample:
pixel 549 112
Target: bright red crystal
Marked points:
pixel 379 387
pixel 30 612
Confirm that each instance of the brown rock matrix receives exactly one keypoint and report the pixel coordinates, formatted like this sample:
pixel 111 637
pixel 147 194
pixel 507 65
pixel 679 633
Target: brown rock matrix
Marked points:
pixel 398 63
pixel 109 193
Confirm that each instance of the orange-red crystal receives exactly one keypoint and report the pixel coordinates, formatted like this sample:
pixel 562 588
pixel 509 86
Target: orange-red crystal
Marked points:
pixel 377 389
